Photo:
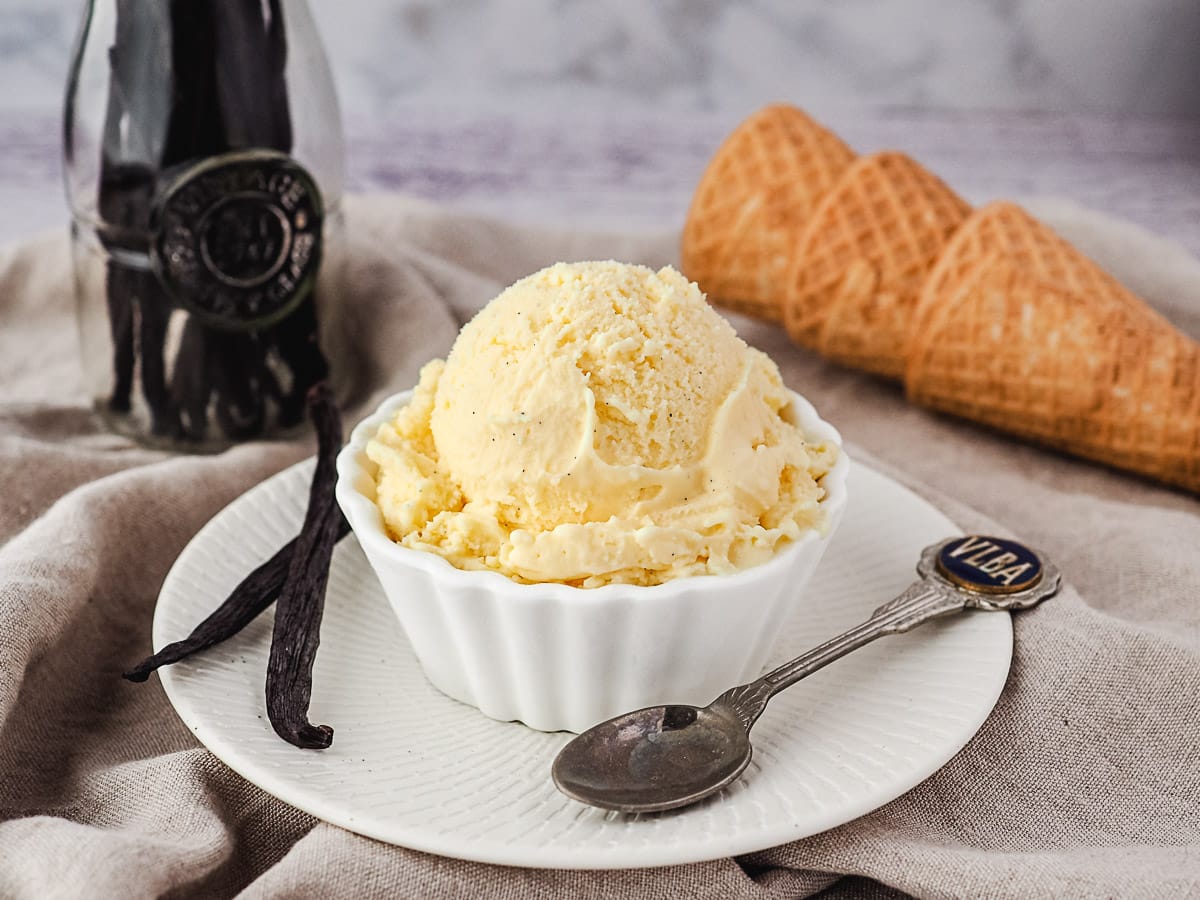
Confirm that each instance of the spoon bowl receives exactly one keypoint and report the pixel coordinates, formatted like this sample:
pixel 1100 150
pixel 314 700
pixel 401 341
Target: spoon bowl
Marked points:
pixel 654 758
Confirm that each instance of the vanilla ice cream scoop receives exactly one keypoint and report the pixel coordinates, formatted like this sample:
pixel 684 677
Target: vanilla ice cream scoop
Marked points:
pixel 599 422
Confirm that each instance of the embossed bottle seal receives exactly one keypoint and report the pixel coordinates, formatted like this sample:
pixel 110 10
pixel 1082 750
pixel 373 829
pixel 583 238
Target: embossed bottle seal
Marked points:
pixel 237 238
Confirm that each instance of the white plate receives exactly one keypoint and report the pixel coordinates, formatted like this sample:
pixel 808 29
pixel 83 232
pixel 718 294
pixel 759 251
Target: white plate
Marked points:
pixel 411 767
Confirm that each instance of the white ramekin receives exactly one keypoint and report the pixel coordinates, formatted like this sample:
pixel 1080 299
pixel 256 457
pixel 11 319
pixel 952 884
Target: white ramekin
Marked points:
pixel 564 658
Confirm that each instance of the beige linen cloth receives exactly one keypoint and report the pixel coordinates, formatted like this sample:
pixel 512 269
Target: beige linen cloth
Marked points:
pixel 1084 782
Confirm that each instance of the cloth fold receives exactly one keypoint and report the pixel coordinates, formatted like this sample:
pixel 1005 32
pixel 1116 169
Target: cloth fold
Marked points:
pixel 1083 782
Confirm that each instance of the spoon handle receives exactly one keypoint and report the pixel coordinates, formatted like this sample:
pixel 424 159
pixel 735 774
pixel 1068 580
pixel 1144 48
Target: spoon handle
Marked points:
pixel 972 571
pixel 922 601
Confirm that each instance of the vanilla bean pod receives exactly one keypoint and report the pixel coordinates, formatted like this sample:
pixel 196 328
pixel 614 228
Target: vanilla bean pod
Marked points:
pixel 138 308
pixel 190 389
pixel 300 606
pixel 154 316
pixel 195 128
pixel 252 596
pixel 120 317
pixel 125 188
pixel 294 339
pixel 123 197
pixel 241 408
pixel 252 48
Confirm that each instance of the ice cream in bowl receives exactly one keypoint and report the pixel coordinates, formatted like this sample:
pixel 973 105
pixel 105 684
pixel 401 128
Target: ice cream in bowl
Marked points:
pixel 601 499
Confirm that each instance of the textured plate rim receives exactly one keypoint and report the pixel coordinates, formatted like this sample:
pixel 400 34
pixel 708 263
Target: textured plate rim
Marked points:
pixel 244 763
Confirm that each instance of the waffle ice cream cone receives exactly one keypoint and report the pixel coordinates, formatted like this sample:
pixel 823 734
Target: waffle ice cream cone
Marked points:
pixel 753 199
pixel 1091 374
pixel 1003 227
pixel 863 258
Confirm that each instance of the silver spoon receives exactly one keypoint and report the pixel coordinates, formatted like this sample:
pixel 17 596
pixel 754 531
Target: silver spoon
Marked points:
pixel 663 757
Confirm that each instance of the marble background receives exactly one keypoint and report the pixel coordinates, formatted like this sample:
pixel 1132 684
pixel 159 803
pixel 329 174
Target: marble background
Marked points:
pixel 1123 56
pixel 603 113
